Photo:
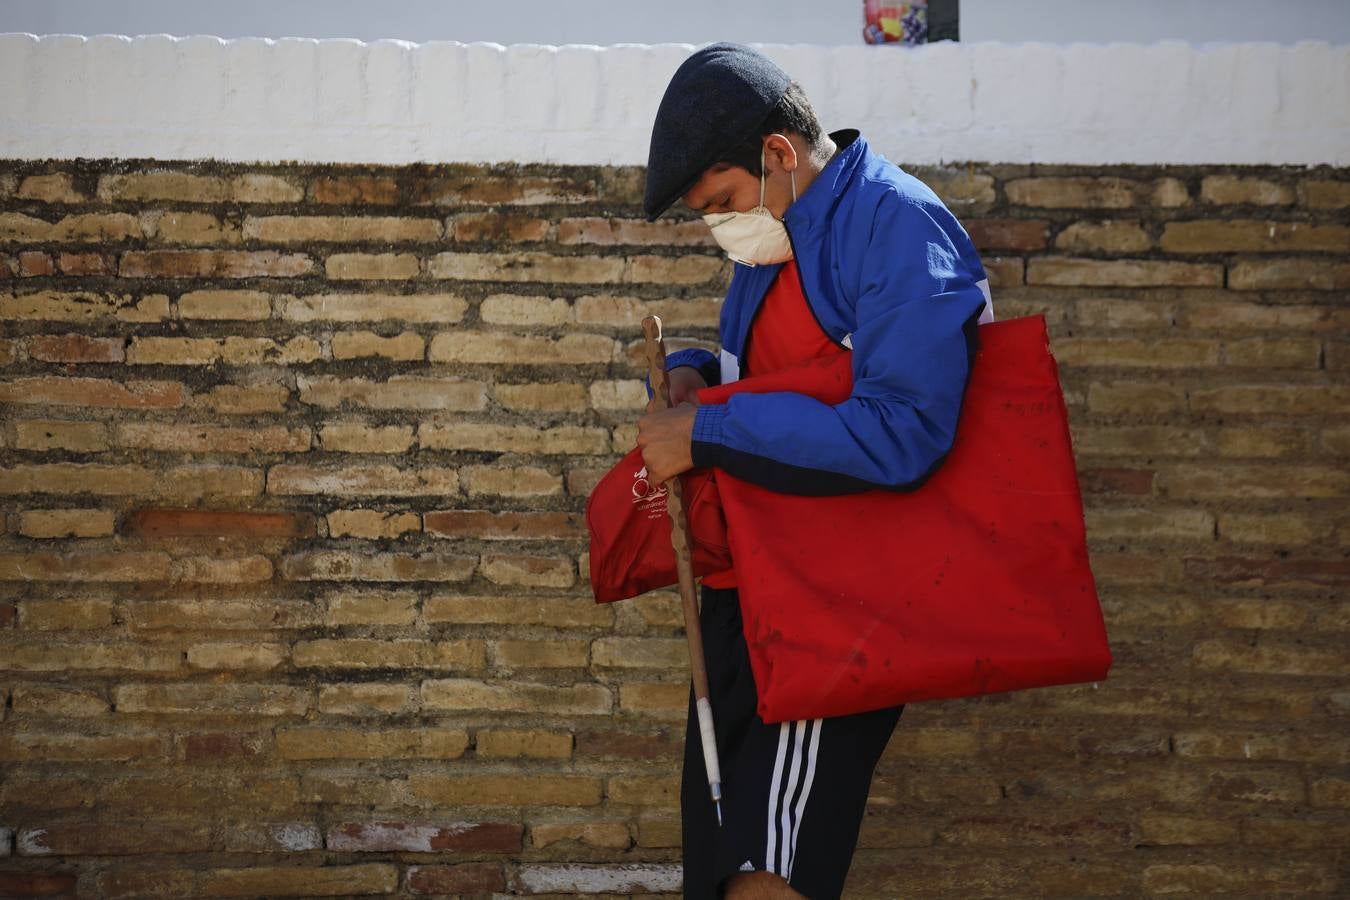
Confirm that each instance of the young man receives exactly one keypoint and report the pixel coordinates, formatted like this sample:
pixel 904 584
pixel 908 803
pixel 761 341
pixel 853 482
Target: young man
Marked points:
pixel 836 249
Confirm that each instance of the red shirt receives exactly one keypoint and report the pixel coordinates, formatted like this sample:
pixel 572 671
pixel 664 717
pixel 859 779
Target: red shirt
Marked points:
pixel 784 332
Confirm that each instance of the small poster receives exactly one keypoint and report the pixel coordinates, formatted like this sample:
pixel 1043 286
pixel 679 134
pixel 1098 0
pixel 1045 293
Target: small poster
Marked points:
pixel 895 23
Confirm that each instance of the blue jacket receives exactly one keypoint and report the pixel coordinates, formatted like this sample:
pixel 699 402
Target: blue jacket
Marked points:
pixel 889 273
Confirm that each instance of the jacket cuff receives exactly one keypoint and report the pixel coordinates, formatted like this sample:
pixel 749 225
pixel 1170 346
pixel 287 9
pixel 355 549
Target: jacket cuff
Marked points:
pixel 706 441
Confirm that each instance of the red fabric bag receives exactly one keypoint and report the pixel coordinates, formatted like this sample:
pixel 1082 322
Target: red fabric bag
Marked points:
pixel 976 582
pixel 630 551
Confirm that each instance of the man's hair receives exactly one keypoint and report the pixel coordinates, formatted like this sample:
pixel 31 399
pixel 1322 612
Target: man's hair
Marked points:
pixel 793 113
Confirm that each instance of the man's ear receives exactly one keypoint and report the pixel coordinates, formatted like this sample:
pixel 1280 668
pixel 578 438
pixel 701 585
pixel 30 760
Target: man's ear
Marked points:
pixel 779 149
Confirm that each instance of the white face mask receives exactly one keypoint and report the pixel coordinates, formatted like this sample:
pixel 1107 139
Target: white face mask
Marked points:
pixel 754 237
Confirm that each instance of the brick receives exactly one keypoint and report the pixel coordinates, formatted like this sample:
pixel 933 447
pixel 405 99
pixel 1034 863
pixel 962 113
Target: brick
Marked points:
pixel 54 187
pixel 60 523
pixel 1275 399
pixel 1329 790
pixel 1265 614
pixel 306 742
pixel 213 264
pixel 81 437
pixel 470 228
pixel 645 790
pixel 518 349
pixel 228 570
pixel 1156 353
pixel 233 656
pixel 171 438
pixel 361 437
pixel 395 392
pixel 1122 273
pixel 989 831
pixel 1007 234
pixel 76 348
pixel 340 565
pixel 1261 442
pixel 98 655
pixel 341 229
pixel 472 187
pixel 576 878
pixel 372 524
pixel 532 266
pixel 371 266
pixel 1289 274
pixel 1252 878
pixel 528 571
pixel 566 439
pixel 1236 570
pixel 1166 830
pixel 252 306
pixel 189 188
pixel 487 525
pixel 961 189
pixel 102 228
pixel 1253 481
pixel 1004 271
pixel 1238 190
pixel 185 481
pixel 667 270
pixel 42 701
pixel 418 837
pixel 644 653
pixel 1274 353
pixel 1324 194
pixel 583 698
pixel 507 743
pixel 86 263
pixel 506 790
pixel 164 522
pixel 372 607
pixel 1253 236
pixel 84 306
pixel 1137 440
pixel 547 396
pixel 662 700
pixel 361 480
pixel 627 313
pixel 516 309
pixel 66 614
pixel 129 839
pixel 1136 397
pixel 439 308
pixel 556 612
pixel 540 654
pixel 1082 192
pixel 404 346
pixel 1164 524
pixel 637 745
pixel 582 480
pixel 1288 529
pixel 232 350
pixel 510 481
pixel 1295 834
pixel 31 264
pixel 363 190
pixel 462 878
pixel 601 835
pixel 619 395
pixel 1106 236
pixel 356 653
pixel 301 881
pixel 243 400
pixel 253 699
pixel 192 228
pixel 365 700
pixel 1268 658
pixel 1112 313
pixel 612 232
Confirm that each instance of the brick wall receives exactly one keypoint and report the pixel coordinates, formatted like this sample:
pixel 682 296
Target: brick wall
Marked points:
pixel 293 568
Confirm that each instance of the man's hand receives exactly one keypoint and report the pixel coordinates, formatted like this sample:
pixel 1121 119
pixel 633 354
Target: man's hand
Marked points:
pixel 665 437
pixel 684 382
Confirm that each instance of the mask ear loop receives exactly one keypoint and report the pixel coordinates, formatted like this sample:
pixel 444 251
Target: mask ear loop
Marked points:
pixel 761 176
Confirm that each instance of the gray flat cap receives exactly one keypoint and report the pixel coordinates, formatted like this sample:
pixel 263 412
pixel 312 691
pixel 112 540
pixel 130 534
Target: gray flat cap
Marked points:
pixel 715 99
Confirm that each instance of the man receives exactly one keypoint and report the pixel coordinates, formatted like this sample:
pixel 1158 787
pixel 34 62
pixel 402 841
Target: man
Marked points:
pixel 836 249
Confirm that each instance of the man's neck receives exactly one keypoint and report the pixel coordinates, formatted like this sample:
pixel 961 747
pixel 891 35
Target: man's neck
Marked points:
pixel 816 161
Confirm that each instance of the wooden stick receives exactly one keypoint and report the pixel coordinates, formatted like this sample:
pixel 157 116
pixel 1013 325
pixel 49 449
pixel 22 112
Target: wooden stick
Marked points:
pixel 684 567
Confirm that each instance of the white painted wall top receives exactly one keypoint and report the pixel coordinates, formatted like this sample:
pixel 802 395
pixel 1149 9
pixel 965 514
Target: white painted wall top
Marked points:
pixel 827 22
pixel 346 101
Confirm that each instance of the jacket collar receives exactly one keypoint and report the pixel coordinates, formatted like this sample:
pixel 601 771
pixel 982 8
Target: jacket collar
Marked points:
pixel 813 206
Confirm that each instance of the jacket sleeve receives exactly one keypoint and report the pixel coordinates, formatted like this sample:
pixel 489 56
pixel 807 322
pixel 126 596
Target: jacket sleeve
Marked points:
pixel 914 344
pixel 703 360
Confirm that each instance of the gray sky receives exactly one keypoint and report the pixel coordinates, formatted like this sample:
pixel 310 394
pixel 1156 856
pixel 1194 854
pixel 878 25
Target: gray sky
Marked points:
pixel 683 21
